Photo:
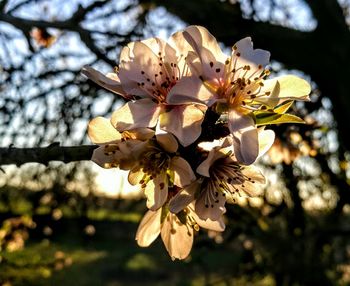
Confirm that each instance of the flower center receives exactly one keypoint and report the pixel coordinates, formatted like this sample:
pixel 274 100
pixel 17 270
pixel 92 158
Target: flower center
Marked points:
pixel 239 85
pixel 159 84
pixel 155 161
pixel 226 177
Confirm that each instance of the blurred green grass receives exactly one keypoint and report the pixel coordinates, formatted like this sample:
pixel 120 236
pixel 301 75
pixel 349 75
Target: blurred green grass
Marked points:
pixel 111 257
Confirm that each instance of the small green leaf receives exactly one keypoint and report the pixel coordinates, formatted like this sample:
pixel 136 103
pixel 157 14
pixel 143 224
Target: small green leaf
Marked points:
pixel 265 118
pixel 283 107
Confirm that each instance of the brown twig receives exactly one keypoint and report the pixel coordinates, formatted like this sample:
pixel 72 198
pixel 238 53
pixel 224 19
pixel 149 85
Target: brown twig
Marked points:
pixel 44 155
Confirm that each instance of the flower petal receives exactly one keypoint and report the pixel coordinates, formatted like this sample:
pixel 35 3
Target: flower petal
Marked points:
pixel 212 210
pixel 183 198
pixel 245 137
pixel 208 51
pixel 100 130
pixel 126 53
pixel 135 176
pixel 138 74
pixel 251 187
pixel 183 174
pixel 287 87
pixel 149 228
pixel 216 225
pixel 103 158
pixel 178 42
pixel 249 56
pixel 177 237
pixel 203 38
pixel 190 90
pixel 136 114
pixel 184 121
pixel 266 139
pixel 167 141
pixel 128 153
pixel 108 83
pixel 213 155
pixel 156 191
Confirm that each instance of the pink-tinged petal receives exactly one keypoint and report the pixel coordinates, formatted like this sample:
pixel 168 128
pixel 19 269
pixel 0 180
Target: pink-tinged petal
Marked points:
pixel 184 121
pixel 149 228
pixel 135 176
pixel 208 50
pixel 222 142
pixel 144 64
pixel 167 141
pixel 254 174
pixel 249 56
pixel 183 174
pixel 156 191
pixel 128 153
pixel 209 205
pixel 213 155
pixel 136 114
pixel 132 86
pixel 177 237
pixel 102 158
pixel 141 69
pixel 252 187
pixel 194 63
pixel 181 46
pixel 216 225
pixel 112 85
pixel 126 53
pixel 100 130
pixel 191 90
pixel 245 137
pixel 183 198
pixel 157 45
pixel 131 79
pixel 266 139
pixel 202 37
pixel 163 49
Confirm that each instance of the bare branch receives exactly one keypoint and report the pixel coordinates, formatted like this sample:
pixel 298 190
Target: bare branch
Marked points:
pixel 25 25
pixel 3 4
pixel 329 15
pixel 81 12
pixel 43 155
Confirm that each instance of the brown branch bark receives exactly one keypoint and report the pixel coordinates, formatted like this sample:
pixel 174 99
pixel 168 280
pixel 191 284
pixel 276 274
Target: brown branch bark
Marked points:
pixel 44 155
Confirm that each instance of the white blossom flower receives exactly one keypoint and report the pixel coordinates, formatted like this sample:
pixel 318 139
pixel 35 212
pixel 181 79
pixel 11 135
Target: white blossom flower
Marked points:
pixel 115 148
pixel 177 230
pixel 222 178
pixel 159 168
pixel 149 72
pixel 238 87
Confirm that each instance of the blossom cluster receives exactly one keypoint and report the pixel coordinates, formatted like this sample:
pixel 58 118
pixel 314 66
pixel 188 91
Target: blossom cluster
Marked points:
pixel 191 129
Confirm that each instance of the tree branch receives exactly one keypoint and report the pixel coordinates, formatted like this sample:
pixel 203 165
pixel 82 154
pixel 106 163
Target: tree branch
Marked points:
pixel 329 15
pixel 43 155
pixel 81 12
pixel 25 25
pixel 280 41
